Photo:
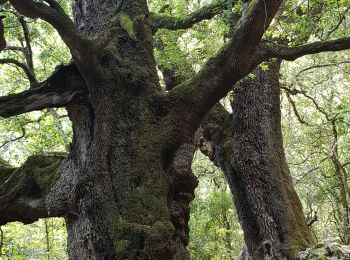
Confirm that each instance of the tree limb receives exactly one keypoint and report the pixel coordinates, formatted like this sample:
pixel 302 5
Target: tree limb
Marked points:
pixel 54 15
pixel 14 48
pixel 295 110
pixel 342 18
pixel 15 139
pixel 162 21
pixel 28 48
pixel 230 65
pixel 304 93
pixel 266 52
pixel 322 66
pixel 25 68
pixel 24 190
pixel 63 88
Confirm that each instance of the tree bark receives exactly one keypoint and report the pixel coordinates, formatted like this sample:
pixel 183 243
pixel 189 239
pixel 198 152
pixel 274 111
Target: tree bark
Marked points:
pixel 126 185
pixel 248 146
pixel 121 164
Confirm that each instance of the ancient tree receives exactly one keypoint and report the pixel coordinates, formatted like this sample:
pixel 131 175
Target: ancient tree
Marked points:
pixel 125 187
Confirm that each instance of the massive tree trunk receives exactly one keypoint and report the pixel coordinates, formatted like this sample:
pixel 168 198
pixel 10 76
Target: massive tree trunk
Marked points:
pixel 248 146
pixel 126 185
pixel 120 165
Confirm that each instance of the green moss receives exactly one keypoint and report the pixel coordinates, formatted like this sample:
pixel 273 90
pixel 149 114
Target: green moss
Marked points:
pixel 45 171
pixel 121 247
pixel 164 228
pixel 127 25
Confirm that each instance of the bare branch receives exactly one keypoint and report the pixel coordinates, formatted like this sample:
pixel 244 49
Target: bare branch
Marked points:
pixel 24 191
pixel 317 66
pixel 15 139
pixel 27 71
pixel 162 21
pixel 304 93
pixel 63 88
pixel 14 48
pixel 295 110
pixel 266 52
pixel 54 15
pixel 342 18
pixel 28 48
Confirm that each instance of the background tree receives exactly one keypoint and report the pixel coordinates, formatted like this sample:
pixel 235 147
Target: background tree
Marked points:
pixel 323 166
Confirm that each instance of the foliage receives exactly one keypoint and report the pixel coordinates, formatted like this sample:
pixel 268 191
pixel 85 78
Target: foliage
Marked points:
pixel 215 232
pixel 311 146
pixel 30 242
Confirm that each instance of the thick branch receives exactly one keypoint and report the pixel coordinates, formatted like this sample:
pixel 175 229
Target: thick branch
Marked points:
pixel 162 21
pixel 23 191
pixel 266 52
pixel 63 88
pixel 231 64
pixel 54 15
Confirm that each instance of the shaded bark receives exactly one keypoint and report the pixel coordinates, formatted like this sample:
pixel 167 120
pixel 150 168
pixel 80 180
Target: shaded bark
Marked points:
pixel 121 165
pixel 248 146
pixel 26 192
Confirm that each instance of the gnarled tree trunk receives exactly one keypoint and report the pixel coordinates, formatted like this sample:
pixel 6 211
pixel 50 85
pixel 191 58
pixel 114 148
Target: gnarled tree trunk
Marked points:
pixel 248 146
pixel 125 187
pixel 121 161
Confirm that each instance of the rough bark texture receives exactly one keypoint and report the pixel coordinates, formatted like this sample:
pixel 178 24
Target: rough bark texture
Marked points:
pixel 120 165
pixel 248 146
pixel 126 185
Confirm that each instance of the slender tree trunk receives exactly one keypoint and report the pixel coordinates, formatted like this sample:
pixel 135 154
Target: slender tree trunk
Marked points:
pixel 47 239
pixel 344 190
pixel 250 151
